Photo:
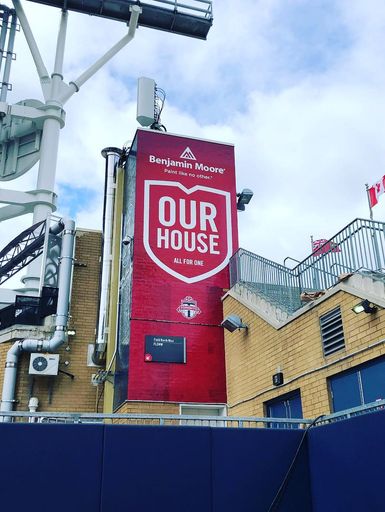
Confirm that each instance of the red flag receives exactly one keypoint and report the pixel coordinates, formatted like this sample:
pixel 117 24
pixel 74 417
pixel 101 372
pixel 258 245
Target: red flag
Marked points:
pixel 375 191
pixel 323 246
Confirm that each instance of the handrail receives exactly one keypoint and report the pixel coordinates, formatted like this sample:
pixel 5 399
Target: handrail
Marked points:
pixel 289 258
pixel 194 8
pixel 181 419
pixel 361 244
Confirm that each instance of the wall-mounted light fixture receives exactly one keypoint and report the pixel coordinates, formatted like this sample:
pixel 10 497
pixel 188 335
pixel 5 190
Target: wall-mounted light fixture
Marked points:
pixel 365 307
pixel 244 197
pixel 232 323
pixel 71 332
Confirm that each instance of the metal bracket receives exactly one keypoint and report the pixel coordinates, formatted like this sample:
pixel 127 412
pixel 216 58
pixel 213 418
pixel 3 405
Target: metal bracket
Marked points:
pixel 28 199
pixel 36 114
pixel 20 203
pixel 101 377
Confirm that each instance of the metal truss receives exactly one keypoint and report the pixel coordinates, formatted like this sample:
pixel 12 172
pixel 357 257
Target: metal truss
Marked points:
pixel 23 249
pixel 191 18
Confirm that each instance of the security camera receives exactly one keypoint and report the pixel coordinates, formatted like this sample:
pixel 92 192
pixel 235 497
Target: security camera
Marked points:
pixel 126 240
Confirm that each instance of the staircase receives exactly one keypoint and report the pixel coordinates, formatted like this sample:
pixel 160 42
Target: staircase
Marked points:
pixel 358 249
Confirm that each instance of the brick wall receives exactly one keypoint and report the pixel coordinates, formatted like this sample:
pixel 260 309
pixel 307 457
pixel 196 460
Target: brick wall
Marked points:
pixel 253 356
pixel 61 392
pixel 133 407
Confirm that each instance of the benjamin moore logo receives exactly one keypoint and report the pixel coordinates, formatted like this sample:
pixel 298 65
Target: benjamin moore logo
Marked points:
pixel 188 154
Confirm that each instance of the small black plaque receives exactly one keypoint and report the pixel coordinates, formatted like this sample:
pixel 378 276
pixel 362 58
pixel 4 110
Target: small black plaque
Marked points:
pixel 165 349
pixel 278 379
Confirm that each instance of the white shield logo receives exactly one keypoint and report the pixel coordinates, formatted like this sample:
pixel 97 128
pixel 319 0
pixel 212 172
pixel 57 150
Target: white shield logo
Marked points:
pixel 187 232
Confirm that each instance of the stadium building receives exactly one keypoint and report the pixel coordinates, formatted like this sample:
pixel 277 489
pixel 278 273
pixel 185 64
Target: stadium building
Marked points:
pixel 161 321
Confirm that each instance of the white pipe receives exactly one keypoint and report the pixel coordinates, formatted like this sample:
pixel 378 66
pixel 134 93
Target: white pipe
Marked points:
pixel 32 406
pixel 57 76
pixel 60 44
pixel 111 155
pixel 75 85
pixel 60 335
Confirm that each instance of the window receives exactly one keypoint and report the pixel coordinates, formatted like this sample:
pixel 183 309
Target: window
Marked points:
pixel 360 385
pixel 203 410
pixel 286 406
pixel 332 332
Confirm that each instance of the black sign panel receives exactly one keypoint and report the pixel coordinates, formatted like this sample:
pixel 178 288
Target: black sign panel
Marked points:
pixel 165 349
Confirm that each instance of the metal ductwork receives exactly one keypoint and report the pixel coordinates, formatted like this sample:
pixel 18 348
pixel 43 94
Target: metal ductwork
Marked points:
pixel 112 156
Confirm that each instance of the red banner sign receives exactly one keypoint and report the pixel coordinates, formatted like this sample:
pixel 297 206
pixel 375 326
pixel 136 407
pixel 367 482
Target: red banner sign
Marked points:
pixel 185 233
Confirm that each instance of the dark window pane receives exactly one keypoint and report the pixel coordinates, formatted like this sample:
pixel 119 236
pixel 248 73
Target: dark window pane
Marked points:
pixel 345 391
pixel 373 381
pixel 295 407
pixel 286 406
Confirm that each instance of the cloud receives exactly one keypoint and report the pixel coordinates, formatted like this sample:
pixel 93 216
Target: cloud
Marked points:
pixel 296 86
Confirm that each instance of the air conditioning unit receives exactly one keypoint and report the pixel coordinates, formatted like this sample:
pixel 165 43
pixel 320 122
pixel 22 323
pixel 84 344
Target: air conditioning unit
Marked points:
pixel 44 364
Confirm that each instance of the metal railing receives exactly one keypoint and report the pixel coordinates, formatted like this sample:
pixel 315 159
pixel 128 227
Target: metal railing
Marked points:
pixel 359 247
pixel 197 7
pixel 154 419
pixel 29 310
pixel 274 282
pixel 192 18
pixel 178 420
pixel 378 405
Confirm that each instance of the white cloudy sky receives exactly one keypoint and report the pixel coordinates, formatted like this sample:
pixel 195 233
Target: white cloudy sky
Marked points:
pixel 297 85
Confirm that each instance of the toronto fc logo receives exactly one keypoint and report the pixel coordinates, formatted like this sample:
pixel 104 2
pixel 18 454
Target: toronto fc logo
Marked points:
pixel 188 307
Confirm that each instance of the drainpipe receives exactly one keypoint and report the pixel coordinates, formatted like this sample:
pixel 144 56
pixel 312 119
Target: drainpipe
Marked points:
pixel 112 156
pixel 32 406
pixel 60 334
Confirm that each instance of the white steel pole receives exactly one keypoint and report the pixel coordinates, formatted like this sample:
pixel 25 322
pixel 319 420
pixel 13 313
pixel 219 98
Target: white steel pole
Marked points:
pixel 56 93
pixel 75 85
pixel 48 151
pixel 370 206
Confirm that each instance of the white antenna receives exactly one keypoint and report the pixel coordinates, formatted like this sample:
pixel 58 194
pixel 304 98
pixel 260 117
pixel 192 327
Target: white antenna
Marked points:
pixel 145 114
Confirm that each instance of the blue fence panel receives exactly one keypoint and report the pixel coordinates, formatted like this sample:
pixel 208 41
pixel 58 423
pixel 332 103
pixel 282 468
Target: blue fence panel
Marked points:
pixel 347 464
pixel 49 468
pixel 112 468
pixel 156 469
pixel 250 465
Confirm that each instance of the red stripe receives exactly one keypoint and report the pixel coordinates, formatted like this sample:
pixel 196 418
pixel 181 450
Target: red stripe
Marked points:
pixel 373 196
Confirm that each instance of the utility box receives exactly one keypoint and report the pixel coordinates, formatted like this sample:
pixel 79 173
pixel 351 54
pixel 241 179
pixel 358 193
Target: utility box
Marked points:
pixel 44 364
